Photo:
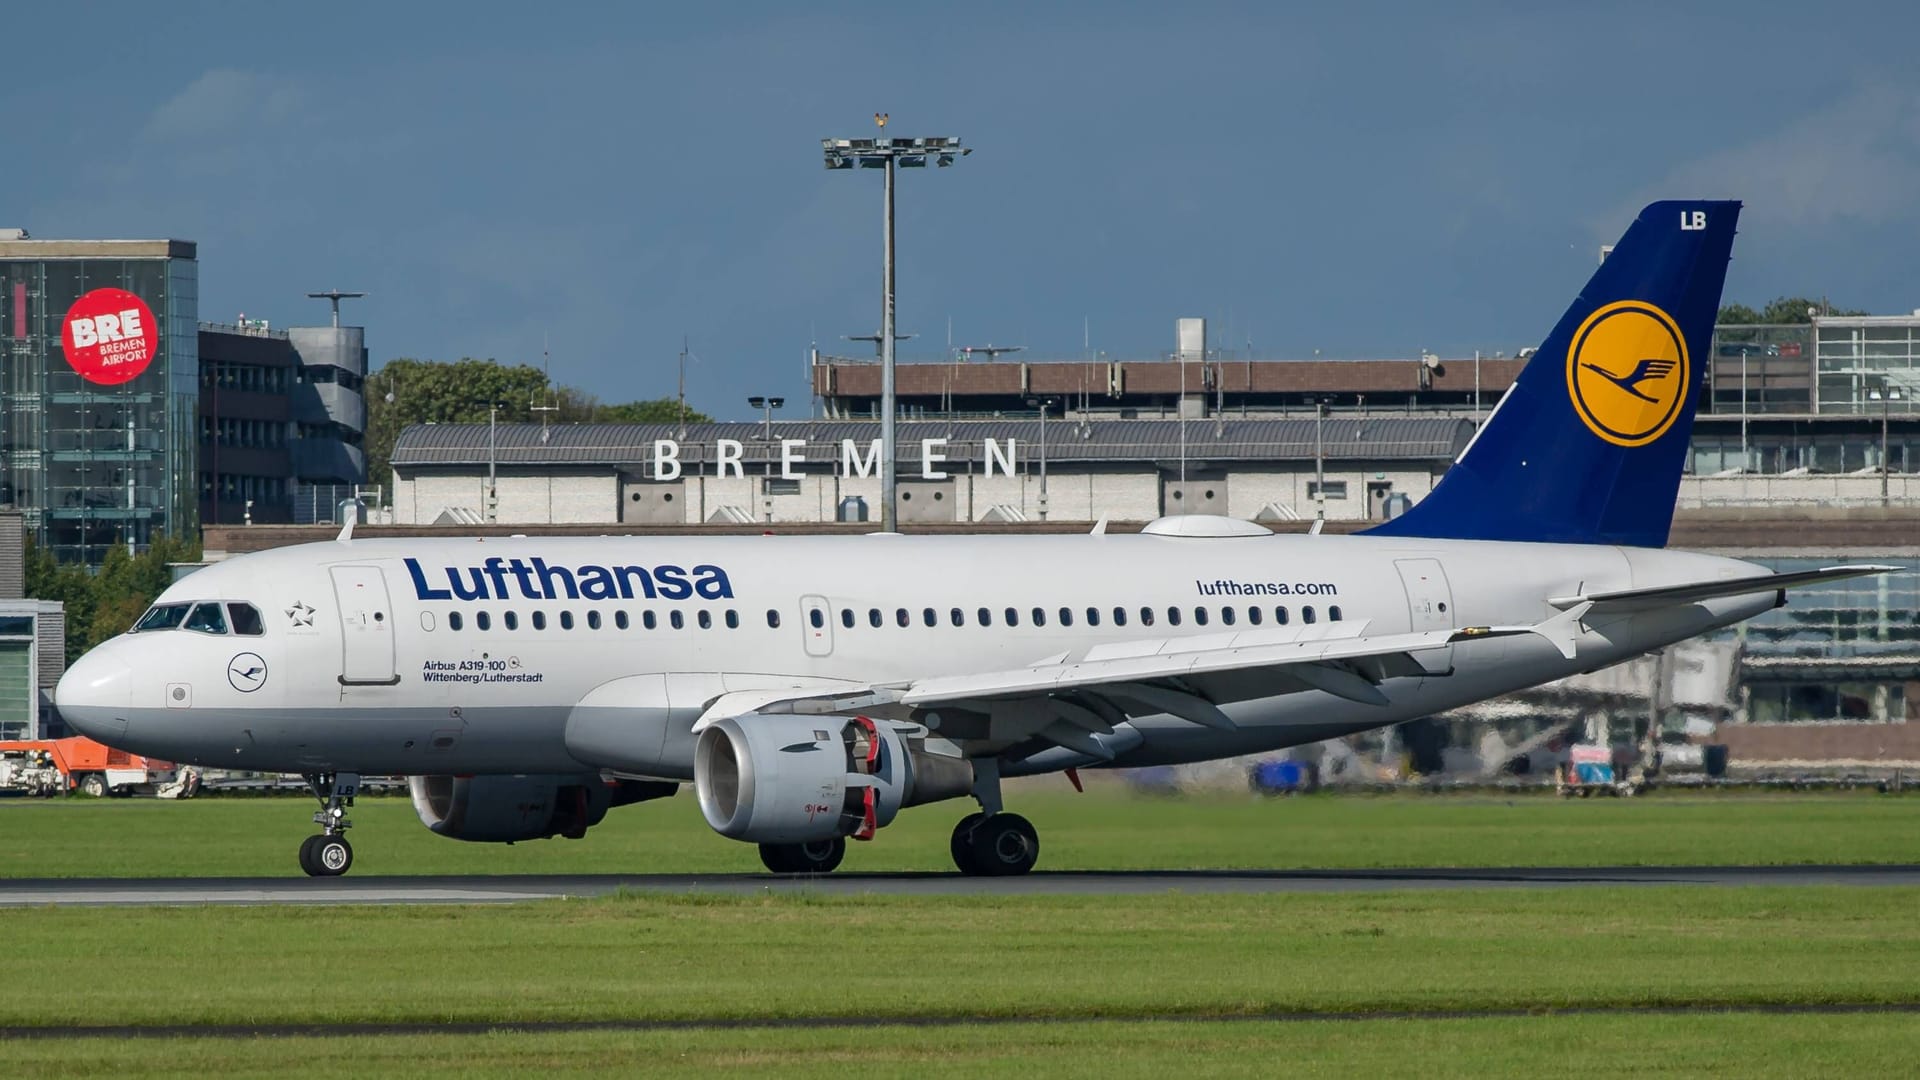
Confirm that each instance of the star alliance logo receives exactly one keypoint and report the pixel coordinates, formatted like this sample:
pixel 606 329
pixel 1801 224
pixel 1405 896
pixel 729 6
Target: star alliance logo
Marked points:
pixel 301 613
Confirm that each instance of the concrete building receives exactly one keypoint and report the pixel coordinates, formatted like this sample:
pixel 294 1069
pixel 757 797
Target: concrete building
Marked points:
pixel 961 470
pixel 282 418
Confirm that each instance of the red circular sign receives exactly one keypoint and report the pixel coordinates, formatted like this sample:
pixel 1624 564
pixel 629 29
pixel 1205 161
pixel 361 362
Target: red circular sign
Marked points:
pixel 110 336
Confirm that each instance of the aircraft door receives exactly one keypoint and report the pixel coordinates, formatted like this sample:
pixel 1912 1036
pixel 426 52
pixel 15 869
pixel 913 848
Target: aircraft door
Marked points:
pixel 816 623
pixel 1429 605
pixel 366 627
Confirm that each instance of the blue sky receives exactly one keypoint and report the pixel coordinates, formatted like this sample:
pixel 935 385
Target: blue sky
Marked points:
pixel 1359 179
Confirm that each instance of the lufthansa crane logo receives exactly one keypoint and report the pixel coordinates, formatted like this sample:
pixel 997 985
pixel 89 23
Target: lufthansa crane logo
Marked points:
pixel 1628 372
pixel 247 672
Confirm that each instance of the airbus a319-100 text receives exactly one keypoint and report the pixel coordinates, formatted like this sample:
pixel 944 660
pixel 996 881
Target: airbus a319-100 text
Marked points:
pixel 810 688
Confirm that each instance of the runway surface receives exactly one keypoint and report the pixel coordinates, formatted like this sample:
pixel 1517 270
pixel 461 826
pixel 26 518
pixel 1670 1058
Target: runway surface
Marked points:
pixel 20 892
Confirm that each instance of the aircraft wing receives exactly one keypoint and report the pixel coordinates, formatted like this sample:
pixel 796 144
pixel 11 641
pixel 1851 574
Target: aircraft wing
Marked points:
pixel 1345 662
pixel 1069 701
pixel 1629 600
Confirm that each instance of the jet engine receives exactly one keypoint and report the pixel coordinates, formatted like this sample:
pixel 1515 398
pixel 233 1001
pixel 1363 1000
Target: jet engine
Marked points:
pixel 794 779
pixel 503 809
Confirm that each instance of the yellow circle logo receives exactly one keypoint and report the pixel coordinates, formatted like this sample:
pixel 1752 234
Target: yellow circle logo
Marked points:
pixel 1627 371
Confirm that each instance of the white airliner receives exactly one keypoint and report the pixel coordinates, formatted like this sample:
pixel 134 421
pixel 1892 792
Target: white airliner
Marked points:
pixel 811 687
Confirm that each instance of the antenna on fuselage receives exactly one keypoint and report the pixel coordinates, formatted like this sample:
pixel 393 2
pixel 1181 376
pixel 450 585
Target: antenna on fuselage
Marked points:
pixel 346 531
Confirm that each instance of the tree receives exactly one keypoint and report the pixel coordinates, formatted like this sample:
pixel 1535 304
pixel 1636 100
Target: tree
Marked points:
pixel 1783 310
pixel 656 411
pixel 104 604
pixel 408 391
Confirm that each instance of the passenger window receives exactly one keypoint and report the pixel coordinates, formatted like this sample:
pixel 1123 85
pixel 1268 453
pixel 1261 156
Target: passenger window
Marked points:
pixel 1306 613
pixel 959 617
pixel 1146 616
pixel 901 617
pixel 207 619
pixel 927 616
pixel 874 618
pixel 1013 616
pixel 453 620
pixel 539 620
pixel 648 621
pixel 1119 616
pixel 676 620
pixel 773 619
pixel 1226 615
pixel 511 620
pixel 1093 616
pixel 985 616
pixel 593 620
pixel 1253 615
pixel 846 617
pixel 482 620
pixel 246 620
pixel 163 617
pixel 817 618
pixel 1173 616
pixel 1333 613
pixel 1039 616
pixel 733 619
pixel 1280 616
pixel 705 618
pixel 566 620
pixel 1066 616
pixel 620 620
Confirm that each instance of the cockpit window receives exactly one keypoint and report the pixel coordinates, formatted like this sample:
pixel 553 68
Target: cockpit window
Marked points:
pixel 246 620
pixel 206 618
pixel 162 617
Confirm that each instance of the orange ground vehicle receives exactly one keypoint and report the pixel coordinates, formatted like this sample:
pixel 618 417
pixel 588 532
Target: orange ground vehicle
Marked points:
pixel 54 766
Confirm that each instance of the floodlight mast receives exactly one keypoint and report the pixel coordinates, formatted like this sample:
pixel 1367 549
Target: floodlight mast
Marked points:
pixel 886 153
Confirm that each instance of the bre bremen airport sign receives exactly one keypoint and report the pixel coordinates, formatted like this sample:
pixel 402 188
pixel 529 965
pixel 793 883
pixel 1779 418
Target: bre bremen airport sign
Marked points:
pixel 109 336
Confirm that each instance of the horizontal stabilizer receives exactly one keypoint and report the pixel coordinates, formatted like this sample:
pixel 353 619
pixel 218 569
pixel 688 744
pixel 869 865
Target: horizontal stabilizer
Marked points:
pixel 1659 596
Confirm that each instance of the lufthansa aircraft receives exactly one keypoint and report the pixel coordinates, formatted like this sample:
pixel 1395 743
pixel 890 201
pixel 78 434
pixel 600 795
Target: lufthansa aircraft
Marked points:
pixel 810 688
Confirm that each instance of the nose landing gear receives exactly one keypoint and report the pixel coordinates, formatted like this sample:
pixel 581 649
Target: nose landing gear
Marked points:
pixel 329 854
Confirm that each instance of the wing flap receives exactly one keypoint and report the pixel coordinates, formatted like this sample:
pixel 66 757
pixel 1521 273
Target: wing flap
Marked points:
pixel 1659 596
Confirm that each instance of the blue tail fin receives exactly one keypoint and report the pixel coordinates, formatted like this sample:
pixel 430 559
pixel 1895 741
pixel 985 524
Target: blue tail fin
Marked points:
pixel 1588 445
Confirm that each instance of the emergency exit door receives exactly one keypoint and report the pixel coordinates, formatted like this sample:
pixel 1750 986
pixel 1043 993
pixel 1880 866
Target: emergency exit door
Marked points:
pixel 366 627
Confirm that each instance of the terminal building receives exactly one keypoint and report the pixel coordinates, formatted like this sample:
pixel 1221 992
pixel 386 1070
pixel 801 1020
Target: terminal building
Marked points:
pixel 124 418
pixel 92 459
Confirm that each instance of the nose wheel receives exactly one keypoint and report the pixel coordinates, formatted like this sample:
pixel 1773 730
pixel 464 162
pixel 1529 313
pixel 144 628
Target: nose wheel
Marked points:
pixel 995 845
pixel 329 854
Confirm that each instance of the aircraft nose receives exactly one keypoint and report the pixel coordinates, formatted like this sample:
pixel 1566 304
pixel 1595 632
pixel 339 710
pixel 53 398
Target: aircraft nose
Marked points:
pixel 95 694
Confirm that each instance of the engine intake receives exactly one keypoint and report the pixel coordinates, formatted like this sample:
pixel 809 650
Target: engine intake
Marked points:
pixel 793 779
pixel 505 809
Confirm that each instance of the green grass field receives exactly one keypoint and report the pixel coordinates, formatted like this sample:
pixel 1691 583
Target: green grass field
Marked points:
pixel 1088 980
pixel 1732 1045
pixel 1125 961
pixel 1106 828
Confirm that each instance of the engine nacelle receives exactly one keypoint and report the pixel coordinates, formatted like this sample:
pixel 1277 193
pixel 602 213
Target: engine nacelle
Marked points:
pixel 792 779
pixel 503 809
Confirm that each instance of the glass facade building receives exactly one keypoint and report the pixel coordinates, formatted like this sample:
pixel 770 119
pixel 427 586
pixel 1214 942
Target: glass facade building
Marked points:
pixel 91 465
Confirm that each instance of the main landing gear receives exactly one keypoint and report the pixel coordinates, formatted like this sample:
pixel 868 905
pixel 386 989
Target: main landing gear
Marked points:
pixel 993 843
pixel 329 854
